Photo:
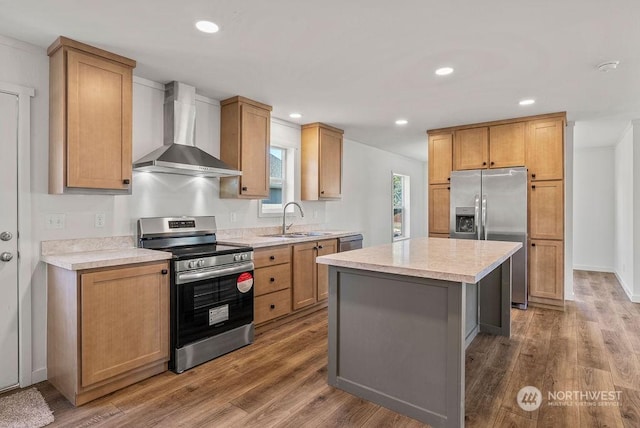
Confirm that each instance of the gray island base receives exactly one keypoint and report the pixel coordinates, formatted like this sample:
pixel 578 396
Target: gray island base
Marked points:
pixel 402 314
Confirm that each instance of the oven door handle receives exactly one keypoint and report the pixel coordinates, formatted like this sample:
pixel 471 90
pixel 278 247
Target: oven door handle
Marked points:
pixel 182 278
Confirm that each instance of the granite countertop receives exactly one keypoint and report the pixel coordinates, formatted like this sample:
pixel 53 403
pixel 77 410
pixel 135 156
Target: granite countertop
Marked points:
pixel 78 254
pixel 458 260
pixel 258 241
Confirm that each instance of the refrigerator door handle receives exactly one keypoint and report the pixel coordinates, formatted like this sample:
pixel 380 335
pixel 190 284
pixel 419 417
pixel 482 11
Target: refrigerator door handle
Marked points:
pixel 477 215
pixel 484 215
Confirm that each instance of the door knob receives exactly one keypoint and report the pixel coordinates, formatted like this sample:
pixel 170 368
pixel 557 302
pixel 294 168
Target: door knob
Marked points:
pixel 6 257
pixel 6 236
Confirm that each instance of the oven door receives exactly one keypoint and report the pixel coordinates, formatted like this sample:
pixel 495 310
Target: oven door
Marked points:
pixel 211 301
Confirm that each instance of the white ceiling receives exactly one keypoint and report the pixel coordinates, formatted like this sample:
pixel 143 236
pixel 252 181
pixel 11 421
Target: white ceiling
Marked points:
pixel 361 64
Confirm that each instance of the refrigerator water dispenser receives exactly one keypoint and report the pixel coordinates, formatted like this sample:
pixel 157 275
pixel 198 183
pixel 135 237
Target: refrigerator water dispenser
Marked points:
pixel 465 220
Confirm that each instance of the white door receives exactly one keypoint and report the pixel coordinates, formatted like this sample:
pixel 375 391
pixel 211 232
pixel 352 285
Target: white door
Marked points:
pixel 8 241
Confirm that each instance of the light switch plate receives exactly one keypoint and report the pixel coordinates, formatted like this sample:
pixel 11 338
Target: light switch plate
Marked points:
pixel 55 221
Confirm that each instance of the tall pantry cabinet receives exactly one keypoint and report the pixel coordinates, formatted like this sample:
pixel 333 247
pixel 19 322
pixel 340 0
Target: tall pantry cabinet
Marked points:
pixel 535 142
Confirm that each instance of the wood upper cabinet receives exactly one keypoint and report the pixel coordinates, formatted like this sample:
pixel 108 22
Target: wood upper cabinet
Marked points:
pixel 546 269
pixel 546 213
pixel 470 148
pixel 107 328
pixel 439 195
pixel 245 132
pixel 506 145
pixel 90 119
pixel 440 158
pixel 545 149
pixel 310 280
pixel 321 162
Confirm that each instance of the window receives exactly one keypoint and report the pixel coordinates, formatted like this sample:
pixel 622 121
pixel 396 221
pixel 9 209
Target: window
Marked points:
pixel 280 190
pixel 401 196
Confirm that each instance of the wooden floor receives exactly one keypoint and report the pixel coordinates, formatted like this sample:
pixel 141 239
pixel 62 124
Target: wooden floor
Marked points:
pixel 280 380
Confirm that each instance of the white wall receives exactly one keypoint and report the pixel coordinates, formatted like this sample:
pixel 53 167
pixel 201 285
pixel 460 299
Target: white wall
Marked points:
pixel 367 182
pixel 624 214
pixel 594 209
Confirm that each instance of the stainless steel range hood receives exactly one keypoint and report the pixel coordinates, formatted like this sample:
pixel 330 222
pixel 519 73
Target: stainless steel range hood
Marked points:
pixel 179 155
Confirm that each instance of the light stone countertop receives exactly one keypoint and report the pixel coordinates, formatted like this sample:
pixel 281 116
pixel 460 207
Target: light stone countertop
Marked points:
pixel 457 260
pixel 258 241
pixel 89 253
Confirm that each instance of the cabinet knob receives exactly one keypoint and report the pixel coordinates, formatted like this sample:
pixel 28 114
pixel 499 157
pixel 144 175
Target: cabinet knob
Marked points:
pixel 533 176
pixel 272 257
pixel 244 188
pixel 272 280
pixel 126 181
pixel 448 178
pixel 484 164
pixel 272 306
pixel 533 186
pixel 319 247
pixel 448 188
pixel 493 163
pixel 315 248
pixel 533 244
pixel 322 192
pixel 164 271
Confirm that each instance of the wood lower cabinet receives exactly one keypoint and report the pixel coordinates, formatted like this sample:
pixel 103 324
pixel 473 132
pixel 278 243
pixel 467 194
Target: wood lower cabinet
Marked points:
pixel 272 283
pixel 245 133
pixel 310 280
pixel 107 328
pixel 546 271
pixel 439 195
pixel 90 119
pixel 321 166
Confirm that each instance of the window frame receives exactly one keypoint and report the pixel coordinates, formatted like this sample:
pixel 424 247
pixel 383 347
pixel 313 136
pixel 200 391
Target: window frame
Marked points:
pixel 405 207
pixel 287 183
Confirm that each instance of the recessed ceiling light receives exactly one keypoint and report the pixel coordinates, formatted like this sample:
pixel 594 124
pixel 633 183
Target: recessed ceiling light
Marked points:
pixel 608 66
pixel 443 71
pixel 295 115
pixel 527 102
pixel 207 27
pixel 402 122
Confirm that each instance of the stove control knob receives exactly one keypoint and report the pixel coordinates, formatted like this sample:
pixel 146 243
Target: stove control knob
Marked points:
pixel 244 256
pixel 191 264
pixel 200 263
pixel 236 258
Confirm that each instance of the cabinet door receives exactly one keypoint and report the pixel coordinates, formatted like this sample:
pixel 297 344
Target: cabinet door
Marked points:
pixel 440 158
pixel 545 149
pixel 124 317
pixel 470 148
pixel 328 246
pixel 546 269
pixel 304 274
pixel 546 214
pixel 254 151
pixel 330 164
pixel 506 145
pixel 99 104
pixel 439 208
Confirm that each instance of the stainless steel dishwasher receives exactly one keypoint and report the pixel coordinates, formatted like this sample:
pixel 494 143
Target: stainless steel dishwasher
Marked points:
pixel 351 242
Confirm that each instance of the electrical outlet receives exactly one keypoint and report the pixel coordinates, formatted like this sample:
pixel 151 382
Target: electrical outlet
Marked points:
pixel 233 216
pixel 55 221
pixel 101 219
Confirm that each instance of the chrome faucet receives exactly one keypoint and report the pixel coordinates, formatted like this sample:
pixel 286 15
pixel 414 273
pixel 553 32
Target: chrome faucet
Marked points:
pixel 284 216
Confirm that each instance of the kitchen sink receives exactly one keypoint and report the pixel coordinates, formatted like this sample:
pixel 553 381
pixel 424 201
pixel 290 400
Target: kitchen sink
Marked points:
pixel 297 234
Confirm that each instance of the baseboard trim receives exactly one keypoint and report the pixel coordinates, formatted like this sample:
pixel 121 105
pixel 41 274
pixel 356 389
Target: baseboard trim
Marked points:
pixel 39 375
pixel 627 290
pixel 594 268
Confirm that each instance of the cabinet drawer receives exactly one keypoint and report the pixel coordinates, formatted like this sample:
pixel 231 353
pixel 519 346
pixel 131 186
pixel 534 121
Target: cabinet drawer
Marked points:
pixel 272 278
pixel 271 256
pixel 272 305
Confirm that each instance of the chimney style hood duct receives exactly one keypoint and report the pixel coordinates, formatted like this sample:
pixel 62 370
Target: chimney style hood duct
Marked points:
pixel 179 155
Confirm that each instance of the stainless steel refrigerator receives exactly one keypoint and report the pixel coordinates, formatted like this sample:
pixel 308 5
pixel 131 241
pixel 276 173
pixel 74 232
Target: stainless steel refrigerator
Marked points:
pixel 491 204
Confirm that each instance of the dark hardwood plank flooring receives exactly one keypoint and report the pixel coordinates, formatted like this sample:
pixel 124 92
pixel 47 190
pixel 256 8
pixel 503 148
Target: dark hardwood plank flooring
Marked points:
pixel 280 380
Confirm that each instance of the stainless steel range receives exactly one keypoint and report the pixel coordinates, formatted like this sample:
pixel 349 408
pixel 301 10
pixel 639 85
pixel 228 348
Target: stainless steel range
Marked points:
pixel 211 288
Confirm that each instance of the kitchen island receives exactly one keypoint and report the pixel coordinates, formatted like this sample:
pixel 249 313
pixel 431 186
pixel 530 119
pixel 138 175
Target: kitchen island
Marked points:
pixel 402 314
